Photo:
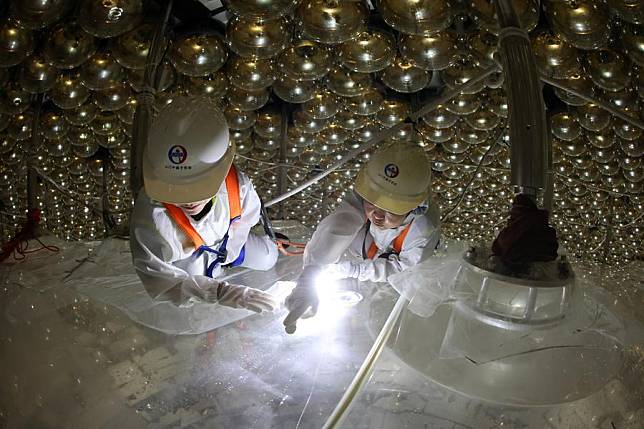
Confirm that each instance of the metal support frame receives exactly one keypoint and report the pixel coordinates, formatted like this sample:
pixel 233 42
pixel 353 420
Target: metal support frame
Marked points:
pixel 283 148
pixel 616 112
pixel 32 174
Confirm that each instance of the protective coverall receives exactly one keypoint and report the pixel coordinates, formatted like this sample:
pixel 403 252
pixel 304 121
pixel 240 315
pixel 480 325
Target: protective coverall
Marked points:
pixel 166 261
pixel 346 230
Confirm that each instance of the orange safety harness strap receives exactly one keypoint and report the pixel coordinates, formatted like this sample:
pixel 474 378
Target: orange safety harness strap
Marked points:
pixel 397 244
pixel 234 204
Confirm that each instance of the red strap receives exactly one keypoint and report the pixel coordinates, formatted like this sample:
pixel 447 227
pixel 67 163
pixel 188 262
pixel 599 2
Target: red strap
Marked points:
pixel 397 244
pixel 234 203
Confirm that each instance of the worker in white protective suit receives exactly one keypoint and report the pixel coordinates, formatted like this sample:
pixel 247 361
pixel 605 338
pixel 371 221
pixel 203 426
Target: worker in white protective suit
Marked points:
pixel 194 218
pixel 388 224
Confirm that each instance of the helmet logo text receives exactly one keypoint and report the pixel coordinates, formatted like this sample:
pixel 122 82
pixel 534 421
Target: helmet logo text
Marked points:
pixel 177 154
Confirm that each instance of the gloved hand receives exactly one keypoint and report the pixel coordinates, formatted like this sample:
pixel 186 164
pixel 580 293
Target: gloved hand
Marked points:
pixel 303 300
pixel 342 270
pixel 238 296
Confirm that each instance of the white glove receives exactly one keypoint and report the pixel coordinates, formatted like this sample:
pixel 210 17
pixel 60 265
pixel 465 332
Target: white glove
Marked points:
pixel 236 296
pixel 303 300
pixel 342 270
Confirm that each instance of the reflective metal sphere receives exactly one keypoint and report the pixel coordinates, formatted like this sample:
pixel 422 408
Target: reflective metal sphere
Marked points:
pixel 554 57
pixel 334 135
pixel 482 120
pixel 20 126
pixel 349 120
pixel 402 76
pixel 52 125
pixel 299 137
pixel 626 130
pixel 306 60
pixel 578 82
pixel 249 74
pixel 105 123
pixel 37 14
pixel 417 17
pixel 294 91
pixel 368 52
pixel 434 52
pixel 36 75
pixel 239 119
pixel 440 118
pixel 392 112
pixel 629 10
pixel 82 115
pixel 68 91
pixel 368 103
pixel 101 71
pixel 485 14
pixel 470 135
pixel 593 118
pixel 259 38
pixel 331 21
pixel 633 43
pixel 347 83
pixel 247 100
pixel 16 43
pixel 601 140
pixel 464 104
pixel 324 104
pixel 198 54
pixel 435 135
pixel 609 70
pixel 268 123
pixel 261 8
pixel 131 49
pixel 306 123
pixel 465 68
pixel 14 99
pixel 565 126
pixel 68 46
pixel 582 23
pixel 114 98
pixel 214 85
pixel 167 77
pixel 109 18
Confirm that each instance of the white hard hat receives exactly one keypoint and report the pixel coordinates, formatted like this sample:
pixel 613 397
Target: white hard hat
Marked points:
pixel 396 179
pixel 188 153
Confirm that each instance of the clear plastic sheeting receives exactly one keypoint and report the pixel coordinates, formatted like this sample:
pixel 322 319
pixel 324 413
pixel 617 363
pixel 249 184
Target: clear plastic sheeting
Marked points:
pixel 495 335
pixel 460 368
pixel 70 359
pixel 109 278
pixel 432 282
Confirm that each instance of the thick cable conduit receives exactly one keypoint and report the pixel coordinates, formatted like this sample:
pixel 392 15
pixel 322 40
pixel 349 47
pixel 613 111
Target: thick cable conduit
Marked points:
pixel 145 102
pixel 526 109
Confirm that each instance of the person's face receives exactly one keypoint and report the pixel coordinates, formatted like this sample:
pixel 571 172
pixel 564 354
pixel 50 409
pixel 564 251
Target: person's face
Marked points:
pixel 192 209
pixel 382 219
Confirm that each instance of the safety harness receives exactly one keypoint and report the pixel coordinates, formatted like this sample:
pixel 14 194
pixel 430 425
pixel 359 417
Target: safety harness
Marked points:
pixel 397 243
pixel 234 204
